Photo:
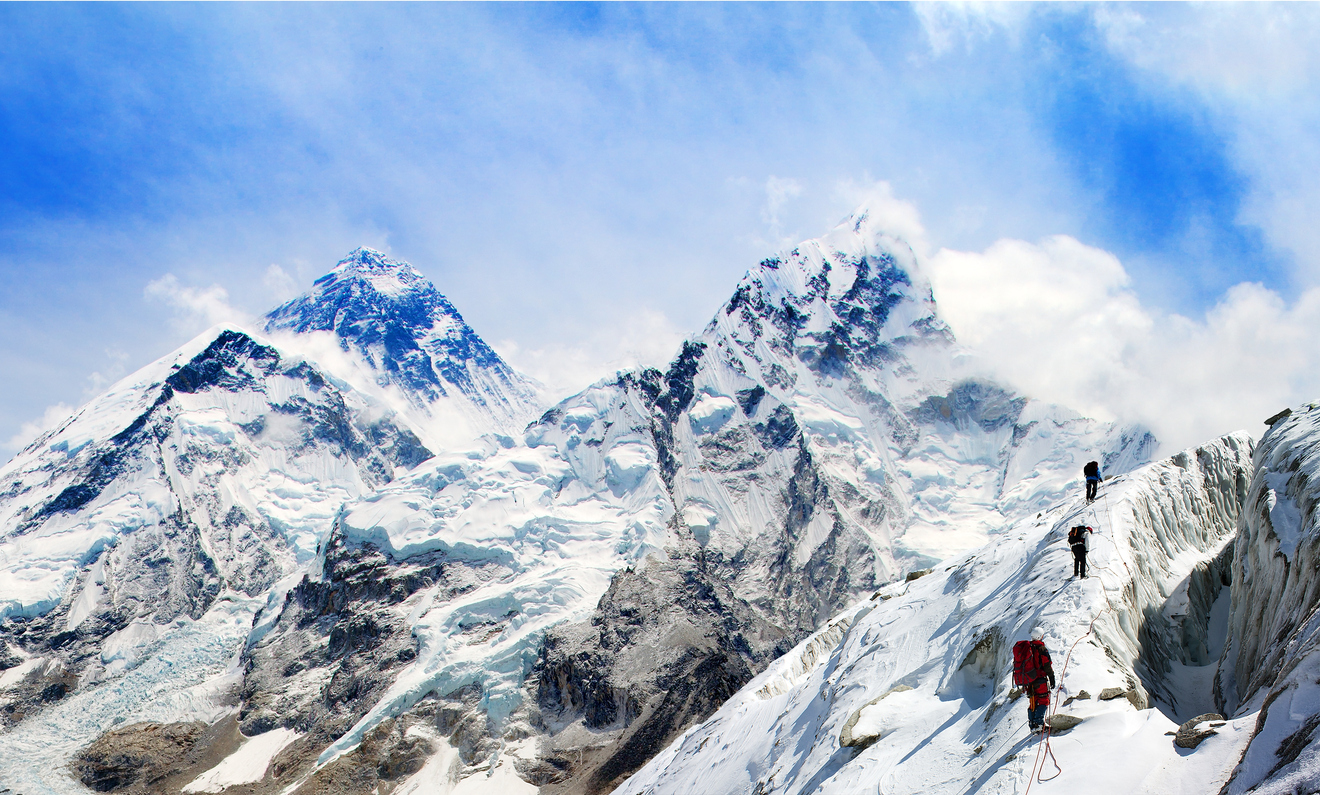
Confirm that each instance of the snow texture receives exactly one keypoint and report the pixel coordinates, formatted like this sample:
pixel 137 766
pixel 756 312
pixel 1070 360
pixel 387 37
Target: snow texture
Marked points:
pixel 948 636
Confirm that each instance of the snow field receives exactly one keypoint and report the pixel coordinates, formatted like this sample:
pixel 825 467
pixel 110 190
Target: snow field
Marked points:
pixel 247 765
pixel 948 636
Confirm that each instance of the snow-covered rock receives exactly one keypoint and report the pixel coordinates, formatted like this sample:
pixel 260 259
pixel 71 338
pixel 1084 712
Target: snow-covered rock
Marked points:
pixel 211 470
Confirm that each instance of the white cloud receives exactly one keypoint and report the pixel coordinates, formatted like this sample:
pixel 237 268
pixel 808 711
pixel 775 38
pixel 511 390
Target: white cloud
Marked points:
pixel 1059 321
pixel 1242 50
pixel 898 217
pixel 194 307
pixel 30 430
pixel 778 191
pixel 1256 68
pixel 952 24
pixel 280 284
pixel 645 338
pixel 115 367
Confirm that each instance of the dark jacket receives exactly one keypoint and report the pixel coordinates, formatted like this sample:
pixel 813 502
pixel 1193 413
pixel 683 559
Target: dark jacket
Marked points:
pixel 1091 470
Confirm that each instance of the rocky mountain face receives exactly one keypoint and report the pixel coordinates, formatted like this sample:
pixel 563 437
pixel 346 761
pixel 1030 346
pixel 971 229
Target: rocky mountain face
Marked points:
pixel 206 473
pixel 405 338
pixel 539 610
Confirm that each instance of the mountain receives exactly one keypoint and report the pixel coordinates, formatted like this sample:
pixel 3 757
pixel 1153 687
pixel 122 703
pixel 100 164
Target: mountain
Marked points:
pixel 408 346
pixel 208 475
pixel 569 602
pixel 141 540
pixel 452 610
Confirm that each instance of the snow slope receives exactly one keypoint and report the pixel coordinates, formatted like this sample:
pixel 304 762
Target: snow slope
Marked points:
pixel 927 664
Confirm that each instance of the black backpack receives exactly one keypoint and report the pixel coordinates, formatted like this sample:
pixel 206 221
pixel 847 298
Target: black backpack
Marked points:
pixel 1077 535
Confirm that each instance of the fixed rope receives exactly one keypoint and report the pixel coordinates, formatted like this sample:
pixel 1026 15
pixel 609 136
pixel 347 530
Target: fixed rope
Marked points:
pixel 1044 752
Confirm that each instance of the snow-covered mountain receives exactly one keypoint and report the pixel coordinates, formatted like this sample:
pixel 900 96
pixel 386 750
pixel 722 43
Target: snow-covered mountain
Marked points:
pixel 408 346
pixel 139 538
pixel 543 609
pixel 579 596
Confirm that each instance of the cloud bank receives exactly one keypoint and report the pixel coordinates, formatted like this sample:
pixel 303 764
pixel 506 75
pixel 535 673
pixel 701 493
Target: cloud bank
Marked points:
pixel 1060 321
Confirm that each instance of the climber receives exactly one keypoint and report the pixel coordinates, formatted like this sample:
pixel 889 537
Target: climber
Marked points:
pixel 1092 472
pixel 1033 672
pixel 1078 541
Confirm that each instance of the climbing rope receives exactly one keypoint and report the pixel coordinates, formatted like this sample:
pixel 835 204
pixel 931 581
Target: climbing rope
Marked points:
pixel 1044 751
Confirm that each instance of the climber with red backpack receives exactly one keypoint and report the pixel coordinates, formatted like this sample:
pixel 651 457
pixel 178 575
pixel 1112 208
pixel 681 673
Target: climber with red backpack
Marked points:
pixel 1034 673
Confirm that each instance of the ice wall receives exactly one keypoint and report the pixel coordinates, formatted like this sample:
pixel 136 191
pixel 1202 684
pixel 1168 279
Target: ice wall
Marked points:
pixel 1276 559
pixel 1272 664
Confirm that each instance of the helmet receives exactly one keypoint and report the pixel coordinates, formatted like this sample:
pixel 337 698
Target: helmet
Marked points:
pixel 1037 634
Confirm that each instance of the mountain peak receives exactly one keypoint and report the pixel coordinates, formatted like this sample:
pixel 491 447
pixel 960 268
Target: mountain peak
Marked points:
pixel 407 332
pixel 387 276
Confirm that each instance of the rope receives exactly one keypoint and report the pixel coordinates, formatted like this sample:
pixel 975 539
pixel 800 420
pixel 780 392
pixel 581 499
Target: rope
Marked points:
pixel 1044 751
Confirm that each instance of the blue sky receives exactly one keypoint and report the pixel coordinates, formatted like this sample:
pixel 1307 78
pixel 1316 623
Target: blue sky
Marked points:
pixel 587 182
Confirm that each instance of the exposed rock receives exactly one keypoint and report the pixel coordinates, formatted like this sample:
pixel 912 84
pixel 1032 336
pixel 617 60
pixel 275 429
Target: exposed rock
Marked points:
pixel 338 642
pixel 1082 695
pixel 133 758
pixel 1189 734
pixel 1062 723
pixel 916 575
pixel 1111 693
pixel 1137 700
pixel 846 737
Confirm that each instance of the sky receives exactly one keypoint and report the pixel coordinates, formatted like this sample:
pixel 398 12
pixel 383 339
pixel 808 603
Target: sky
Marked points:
pixel 1114 202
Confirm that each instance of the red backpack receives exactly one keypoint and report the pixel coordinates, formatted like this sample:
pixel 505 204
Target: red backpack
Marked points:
pixel 1026 663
